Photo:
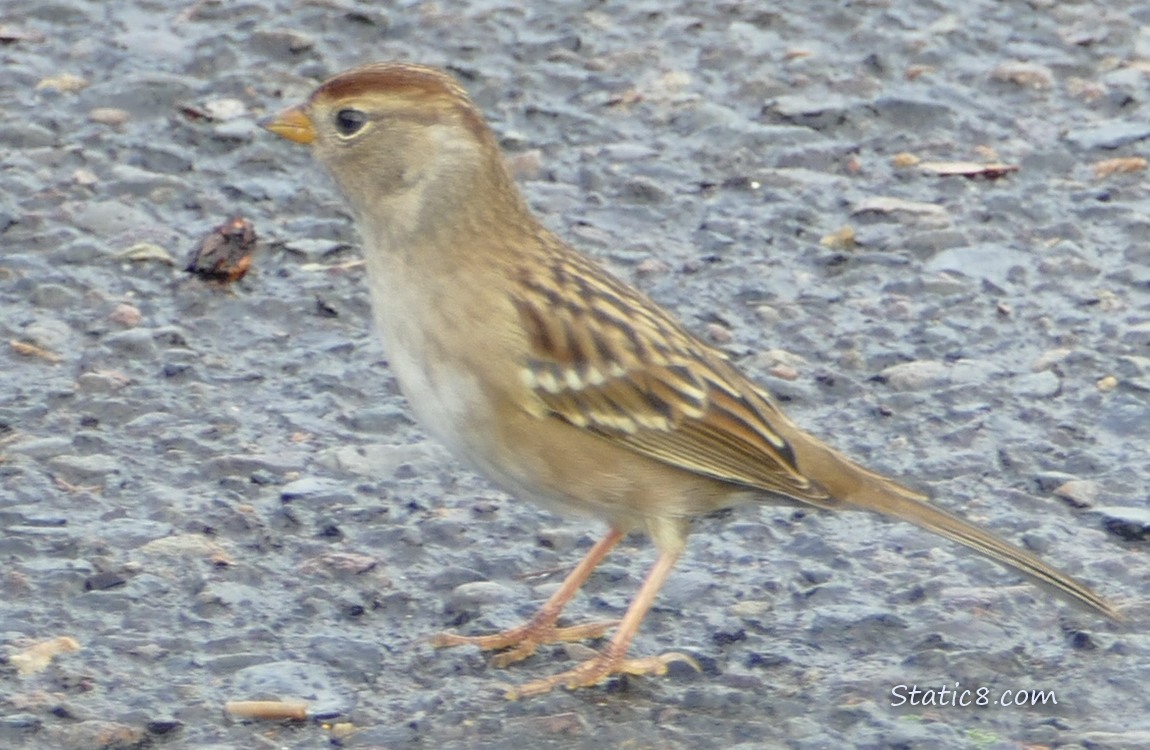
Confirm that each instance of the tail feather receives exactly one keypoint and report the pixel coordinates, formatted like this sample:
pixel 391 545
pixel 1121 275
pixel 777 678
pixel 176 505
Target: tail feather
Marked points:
pixel 900 503
pixel 851 485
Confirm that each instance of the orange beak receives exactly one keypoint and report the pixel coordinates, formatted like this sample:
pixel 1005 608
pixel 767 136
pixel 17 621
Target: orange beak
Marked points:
pixel 292 124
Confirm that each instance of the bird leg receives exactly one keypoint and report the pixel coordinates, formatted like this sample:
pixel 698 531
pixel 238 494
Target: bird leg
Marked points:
pixel 612 660
pixel 522 641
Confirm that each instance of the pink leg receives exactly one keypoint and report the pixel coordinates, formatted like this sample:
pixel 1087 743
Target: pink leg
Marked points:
pixel 522 641
pixel 612 660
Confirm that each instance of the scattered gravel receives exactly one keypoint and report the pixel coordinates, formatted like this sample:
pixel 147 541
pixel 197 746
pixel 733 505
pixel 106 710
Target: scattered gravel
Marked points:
pixel 214 493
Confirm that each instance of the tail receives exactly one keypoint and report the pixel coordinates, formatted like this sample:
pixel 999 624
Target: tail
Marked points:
pixel 853 486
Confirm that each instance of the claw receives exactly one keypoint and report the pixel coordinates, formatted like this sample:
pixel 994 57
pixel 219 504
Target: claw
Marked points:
pixel 599 668
pixel 521 642
pixel 657 665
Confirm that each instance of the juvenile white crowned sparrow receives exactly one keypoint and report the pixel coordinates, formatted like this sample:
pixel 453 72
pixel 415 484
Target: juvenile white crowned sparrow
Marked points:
pixel 553 378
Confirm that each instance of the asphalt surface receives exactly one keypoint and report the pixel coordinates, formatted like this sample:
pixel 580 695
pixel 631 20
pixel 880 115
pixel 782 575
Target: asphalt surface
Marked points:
pixel 213 492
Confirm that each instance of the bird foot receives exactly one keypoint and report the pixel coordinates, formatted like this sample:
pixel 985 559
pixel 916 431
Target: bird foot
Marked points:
pixel 599 668
pixel 522 641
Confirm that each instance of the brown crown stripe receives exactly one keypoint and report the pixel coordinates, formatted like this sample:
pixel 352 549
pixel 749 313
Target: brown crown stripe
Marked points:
pixel 391 77
pixel 397 79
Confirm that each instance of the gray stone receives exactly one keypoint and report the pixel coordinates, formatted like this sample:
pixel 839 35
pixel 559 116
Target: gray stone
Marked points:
pixel 85 469
pixel 480 593
pixel 991 262
pixel 1043 384
pixel 1110 136
pixel 916 376
pixel 316 491
pixel 1133 739
pixel 246 464
pixel 1127 522
pixel 135 343
pixel 41 447
pixel 378 460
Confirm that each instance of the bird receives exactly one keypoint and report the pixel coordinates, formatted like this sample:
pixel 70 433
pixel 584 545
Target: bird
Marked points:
pixel 554 378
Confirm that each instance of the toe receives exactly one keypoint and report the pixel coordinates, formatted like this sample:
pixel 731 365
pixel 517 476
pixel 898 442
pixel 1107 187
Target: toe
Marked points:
pixel 596 670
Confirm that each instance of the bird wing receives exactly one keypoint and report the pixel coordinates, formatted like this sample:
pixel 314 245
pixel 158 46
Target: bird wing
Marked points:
pixel 606 359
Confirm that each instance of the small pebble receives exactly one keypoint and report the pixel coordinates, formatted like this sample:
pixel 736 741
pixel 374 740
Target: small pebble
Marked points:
pixel 222 110
pixel 1026 74
pixel 85 177
pixel 1107 383
pixel 718 333
pixel 479 593
pixel 64 83
pixel 1080 493
pixel 1049 359
pixel 109 116
pixel 126 315
pixel 916 376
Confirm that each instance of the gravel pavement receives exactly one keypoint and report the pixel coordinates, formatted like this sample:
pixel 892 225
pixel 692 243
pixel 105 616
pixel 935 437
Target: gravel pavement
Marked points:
pixel 213 492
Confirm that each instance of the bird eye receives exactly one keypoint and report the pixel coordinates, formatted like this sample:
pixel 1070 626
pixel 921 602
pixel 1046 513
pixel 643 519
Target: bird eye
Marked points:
pixel 349 121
